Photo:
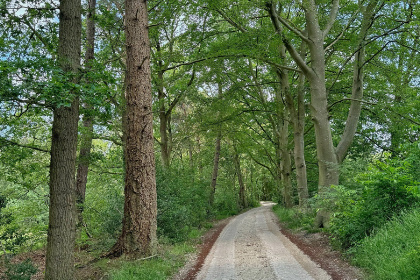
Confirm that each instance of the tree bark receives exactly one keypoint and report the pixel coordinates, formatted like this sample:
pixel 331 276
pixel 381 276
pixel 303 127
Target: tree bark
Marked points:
pixel 138 235
pixel 87 132
pixel 357 87
pixel 62 214
pixel 298 118
pixel 165 148
pixel 215 167
pixel 242 189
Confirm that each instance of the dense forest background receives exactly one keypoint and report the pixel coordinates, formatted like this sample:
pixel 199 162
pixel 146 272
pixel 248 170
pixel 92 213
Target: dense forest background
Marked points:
pixel 311 104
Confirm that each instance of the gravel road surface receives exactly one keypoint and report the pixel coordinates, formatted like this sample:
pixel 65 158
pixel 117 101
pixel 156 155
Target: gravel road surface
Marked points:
pixel 252 247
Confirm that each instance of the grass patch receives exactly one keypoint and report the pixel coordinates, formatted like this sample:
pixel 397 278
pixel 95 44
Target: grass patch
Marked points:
pixel 393 252
pixel 154 269
pixel 295 218
pixel 169 259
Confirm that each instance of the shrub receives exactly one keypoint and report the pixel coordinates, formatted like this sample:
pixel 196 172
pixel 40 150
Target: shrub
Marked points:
pixel 295 218
pixel 384 192
pixel 20 271
pixel 394 251
pixel 182 203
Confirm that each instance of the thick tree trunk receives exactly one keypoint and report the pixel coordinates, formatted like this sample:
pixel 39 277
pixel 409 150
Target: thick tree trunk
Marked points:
pixel 138 236
pixel 215 167
pixel 242 189
pixel 87 132
pixel 327 159
pixel 62 214
pixel 297 115
pixel 282 132
pixel 286 168
pixel 299 144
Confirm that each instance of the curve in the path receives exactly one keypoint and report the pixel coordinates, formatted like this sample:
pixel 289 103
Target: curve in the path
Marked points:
pixel 251 246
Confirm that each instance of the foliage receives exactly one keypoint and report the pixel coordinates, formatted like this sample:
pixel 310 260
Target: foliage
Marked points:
pixel 104 196
pixel 20 271
pixel 295 218
pixel 23 219
pixel 393 252
pixel 182 203
pixel 383 192
pixel 160 267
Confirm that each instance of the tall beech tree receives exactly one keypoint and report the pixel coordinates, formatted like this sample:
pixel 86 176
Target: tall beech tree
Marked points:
pixel 314 36
pixel 138 236
pixel 62 213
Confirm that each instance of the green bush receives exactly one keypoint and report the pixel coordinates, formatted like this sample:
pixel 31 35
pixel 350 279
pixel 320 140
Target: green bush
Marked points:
pixel 393 252
pixel 225 201
pixel 295 218
pixel 182 203
pixel 11 237
pixel 171 258
pixel 20 271
pixel 103 210
pixel 150 270
pixel 384 192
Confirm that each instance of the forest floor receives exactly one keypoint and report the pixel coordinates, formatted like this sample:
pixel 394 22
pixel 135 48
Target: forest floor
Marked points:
pixel 311 256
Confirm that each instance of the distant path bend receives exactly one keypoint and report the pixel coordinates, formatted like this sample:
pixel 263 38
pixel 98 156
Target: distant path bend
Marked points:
pixel 252 247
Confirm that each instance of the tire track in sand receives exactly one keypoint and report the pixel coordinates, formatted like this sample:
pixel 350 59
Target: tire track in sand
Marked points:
pixel 252 247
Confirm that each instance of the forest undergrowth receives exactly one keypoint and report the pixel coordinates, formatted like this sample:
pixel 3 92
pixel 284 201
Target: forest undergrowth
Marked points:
pixel 184 215
pixel 374 218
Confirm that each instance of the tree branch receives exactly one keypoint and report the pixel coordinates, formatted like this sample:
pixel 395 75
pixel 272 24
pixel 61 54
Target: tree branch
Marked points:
pixel 350 99
pixel 297 58
pixel 234 24
pixel 9 142
pixel 353 17
pixel 276 19
pixel 331 20
pixel 176 100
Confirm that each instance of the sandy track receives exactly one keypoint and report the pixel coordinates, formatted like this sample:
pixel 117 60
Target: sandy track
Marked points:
pixel 251 247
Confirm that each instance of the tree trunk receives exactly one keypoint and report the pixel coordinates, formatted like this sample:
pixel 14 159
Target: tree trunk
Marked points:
pixel 62 214
pixel 327 159
pixel 297 115
pixel 286 168
pixel 357 87
pixel 83 167
pixel 215 167
pixel 299 142
pixel 138 236
pixel 242 189
pixel 283 131
pixel 87 132
pixel 165 149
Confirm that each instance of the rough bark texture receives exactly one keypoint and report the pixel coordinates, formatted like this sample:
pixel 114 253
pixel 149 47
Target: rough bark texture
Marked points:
pixel 62 214
pixel 87 132
pixel 138 236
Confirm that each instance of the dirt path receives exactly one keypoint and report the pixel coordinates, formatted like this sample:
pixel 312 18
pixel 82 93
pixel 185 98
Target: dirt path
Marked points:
pixel 251 246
